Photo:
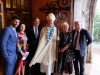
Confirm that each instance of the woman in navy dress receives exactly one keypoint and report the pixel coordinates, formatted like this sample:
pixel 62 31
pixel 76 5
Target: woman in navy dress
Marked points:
pixel 66 53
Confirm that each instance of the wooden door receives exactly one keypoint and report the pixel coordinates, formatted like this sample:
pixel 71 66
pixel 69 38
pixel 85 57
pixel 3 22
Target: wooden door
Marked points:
pixel 41 8
pixel 21 8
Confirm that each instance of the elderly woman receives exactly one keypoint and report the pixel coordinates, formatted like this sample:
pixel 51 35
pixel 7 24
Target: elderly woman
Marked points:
pixel 65 49
pixel 46 50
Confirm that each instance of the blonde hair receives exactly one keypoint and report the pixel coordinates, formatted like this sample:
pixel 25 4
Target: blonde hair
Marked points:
pixel 51 16
pixel 65 24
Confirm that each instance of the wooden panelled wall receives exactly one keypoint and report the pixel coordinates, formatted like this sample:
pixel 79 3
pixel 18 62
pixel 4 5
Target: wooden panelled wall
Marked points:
pixel 60 5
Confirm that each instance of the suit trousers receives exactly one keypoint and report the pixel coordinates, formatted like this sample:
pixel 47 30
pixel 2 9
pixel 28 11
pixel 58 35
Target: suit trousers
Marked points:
pixel 9 64
pixel 79 63
pixel 34 69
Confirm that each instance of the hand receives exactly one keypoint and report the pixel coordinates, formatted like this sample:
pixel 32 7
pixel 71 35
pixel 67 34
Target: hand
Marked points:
pixel 22 53
pixel 62 50
pixel 57 38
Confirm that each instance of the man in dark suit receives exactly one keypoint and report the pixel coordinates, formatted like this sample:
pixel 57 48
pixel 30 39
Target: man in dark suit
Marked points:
pixel 8 41
pixel 81 39
pixel 33 34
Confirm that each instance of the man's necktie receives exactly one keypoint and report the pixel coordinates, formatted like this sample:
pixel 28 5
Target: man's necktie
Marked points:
pixel 36 32
pixel 76 39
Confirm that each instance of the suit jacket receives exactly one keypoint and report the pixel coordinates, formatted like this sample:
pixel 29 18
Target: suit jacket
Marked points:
pixel 8 41
pixel 32 40
pixel 84 40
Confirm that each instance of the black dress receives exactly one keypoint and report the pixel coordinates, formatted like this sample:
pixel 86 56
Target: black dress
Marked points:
pixel 68 54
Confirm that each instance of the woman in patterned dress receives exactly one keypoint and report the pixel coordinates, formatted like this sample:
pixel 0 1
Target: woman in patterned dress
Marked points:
pixel 22 48
pixel 65 49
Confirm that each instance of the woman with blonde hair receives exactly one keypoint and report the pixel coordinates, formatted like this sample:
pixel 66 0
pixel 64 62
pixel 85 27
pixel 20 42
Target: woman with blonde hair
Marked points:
pixel 65 52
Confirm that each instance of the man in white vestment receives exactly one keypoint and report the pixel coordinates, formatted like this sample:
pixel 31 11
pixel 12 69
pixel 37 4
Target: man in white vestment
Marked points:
pixel 46 50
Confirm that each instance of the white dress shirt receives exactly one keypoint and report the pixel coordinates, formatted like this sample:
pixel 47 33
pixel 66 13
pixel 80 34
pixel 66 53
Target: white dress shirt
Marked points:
pixel 77 42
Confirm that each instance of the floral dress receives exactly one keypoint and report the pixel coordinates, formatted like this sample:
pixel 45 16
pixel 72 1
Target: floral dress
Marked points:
pixel 21 44
pixel 68 54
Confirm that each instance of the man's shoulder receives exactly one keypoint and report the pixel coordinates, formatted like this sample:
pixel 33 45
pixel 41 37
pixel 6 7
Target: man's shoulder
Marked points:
pixel 6 28
pixel 39 28
pixel 29 28
pixel 73 31
pixel 84 30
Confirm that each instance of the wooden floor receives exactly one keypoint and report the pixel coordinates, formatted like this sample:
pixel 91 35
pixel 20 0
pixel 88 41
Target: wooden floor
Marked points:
pixel 90 68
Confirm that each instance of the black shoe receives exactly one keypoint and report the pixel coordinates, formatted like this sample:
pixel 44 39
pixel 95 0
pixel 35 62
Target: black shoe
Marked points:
pixel 51 73
pixel 43 74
